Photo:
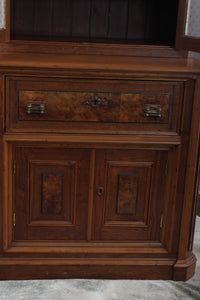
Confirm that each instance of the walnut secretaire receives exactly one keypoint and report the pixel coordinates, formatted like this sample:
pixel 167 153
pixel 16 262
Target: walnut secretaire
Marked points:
pixel 99 139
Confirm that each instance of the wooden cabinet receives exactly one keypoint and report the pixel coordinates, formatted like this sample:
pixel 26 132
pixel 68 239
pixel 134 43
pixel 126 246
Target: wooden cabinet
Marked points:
pixel 99 140
pixel 108 27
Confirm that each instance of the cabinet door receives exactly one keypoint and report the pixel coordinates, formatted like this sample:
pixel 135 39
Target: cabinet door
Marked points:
pixel 129 185
pixel 51 193
pixel 188 27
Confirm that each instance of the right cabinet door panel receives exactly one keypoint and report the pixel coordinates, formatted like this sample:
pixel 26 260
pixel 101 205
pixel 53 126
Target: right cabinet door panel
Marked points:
pixel 128 194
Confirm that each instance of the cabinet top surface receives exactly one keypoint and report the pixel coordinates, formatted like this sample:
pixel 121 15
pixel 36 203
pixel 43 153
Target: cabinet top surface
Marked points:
pixel 97 62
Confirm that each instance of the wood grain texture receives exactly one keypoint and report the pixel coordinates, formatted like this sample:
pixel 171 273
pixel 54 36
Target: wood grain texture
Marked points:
pixel 107 223
pixel 52 195
pixel 188 202
pixel 52 190
pixel 80 211
pixel 69 104
pixel 99 19
pixel 22 14
pixel 175 167
pixel 97 141
pixel 1 160
pixel 57 212
pixel 112 63
pixel 131 21
pixel 87 268
pixel 127 193
pixel 110 20
pixel 29 46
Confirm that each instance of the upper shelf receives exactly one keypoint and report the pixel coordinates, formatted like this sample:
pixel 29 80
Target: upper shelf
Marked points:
pixel 98 63
pixel 108 21
pixel 156 28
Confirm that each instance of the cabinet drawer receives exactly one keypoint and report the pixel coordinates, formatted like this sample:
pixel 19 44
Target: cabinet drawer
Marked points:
pixel 80 104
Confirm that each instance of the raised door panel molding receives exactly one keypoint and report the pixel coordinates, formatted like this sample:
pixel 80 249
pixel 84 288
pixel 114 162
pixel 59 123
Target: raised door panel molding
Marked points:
pixel 52 192
pixel 130 195
pixel 50 203
pixel 127 192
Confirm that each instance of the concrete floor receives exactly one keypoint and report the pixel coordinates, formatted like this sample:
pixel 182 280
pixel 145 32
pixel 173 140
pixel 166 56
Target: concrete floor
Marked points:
pixel 106 289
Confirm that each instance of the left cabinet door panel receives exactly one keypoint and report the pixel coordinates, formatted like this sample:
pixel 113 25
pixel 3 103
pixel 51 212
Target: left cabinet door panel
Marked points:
pixel 49 202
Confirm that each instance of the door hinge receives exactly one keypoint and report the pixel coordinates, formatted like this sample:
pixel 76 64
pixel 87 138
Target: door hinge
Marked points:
pixel 14 219
pixel 14 166
pixel 166 169
pixel 161 221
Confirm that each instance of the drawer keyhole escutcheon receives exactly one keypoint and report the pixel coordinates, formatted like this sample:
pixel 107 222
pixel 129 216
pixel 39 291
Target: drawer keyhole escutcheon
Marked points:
pixel 153 111
pixel 96 101
pixel 36 107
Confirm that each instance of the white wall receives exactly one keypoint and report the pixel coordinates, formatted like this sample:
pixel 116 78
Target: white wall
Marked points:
pixel 2 4
pixel 193 18
pixel 197 55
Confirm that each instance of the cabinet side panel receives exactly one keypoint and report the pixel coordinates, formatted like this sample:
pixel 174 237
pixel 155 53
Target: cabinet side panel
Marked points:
pixel 190 175
pixel 1 155
pixel 195 203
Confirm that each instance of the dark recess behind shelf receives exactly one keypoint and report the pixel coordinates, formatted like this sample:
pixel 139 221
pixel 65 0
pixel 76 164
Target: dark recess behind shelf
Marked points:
pixel 95 20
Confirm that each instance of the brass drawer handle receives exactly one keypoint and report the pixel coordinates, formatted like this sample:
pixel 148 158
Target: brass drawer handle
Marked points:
pixel 36 107
pixel 153 111
pixel 96 102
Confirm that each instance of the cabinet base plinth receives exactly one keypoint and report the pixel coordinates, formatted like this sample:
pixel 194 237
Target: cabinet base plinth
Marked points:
pixel 39 268
pixel 184 269
pixel 91 268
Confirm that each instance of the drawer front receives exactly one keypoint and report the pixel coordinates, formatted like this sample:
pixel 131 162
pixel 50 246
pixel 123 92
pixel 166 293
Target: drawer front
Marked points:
pixel 92 104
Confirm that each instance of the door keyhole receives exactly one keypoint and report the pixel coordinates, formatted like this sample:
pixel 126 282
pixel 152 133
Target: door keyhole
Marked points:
pixel 100 190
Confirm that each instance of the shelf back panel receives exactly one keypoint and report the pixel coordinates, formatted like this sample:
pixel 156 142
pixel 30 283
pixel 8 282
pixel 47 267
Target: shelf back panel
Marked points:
pixel 95 20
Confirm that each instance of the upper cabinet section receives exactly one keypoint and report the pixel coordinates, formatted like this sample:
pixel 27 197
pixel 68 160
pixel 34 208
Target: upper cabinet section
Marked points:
pixel 101 21
pixel 188 29
pixel 113 27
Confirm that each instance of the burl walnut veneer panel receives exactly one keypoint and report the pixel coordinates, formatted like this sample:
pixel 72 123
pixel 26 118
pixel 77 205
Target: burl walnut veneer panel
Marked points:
pixel 92 105
pixel 124 208
pixel 49 200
